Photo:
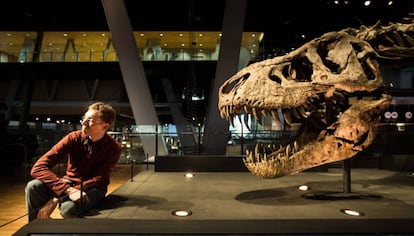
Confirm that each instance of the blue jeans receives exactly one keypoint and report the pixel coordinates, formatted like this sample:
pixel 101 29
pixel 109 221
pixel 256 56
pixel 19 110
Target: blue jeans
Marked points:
pixel 38 194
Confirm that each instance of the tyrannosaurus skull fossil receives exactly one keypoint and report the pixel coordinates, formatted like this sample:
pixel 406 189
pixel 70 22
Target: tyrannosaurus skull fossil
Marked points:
pixel 331 84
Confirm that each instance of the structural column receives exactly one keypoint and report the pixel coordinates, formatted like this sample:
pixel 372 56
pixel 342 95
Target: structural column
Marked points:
pixel 216 129
pixel 132 69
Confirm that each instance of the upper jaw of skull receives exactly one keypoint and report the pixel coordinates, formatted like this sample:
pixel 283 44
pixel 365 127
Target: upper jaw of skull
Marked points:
pixel 335 62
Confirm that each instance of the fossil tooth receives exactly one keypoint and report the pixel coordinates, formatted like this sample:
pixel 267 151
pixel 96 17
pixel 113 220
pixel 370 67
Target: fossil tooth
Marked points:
pixel 302 112
pixel 256 116
pixel 287 117
pixel 222 114
pixel 246 121
pixel 246 109
pixel 275 115
pixel 227 108
pixel 288 149
pixel 256 149
pixel 296 146
pixel 263 112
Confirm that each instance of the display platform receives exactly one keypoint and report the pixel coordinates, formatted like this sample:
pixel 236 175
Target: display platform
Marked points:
pixel 223 203
pixel 200 163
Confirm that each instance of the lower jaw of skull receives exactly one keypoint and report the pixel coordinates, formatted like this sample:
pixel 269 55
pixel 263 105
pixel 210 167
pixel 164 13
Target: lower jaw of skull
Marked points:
pixel 317 153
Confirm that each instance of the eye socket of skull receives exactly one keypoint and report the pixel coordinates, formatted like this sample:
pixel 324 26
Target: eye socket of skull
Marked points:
pixel 301 70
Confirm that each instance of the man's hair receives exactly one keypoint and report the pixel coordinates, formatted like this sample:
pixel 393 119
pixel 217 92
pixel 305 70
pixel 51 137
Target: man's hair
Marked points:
pixel 106 112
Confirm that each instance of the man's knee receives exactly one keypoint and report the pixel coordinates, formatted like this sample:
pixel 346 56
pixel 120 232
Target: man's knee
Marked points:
pixel 68 209
pixel 34 184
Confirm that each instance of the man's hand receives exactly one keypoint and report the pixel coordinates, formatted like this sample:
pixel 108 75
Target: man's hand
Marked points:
pixel 75 195
pixel 47 209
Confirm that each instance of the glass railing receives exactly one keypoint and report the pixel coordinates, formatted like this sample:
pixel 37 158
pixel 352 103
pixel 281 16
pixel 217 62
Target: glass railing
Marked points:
pixel 101 56
pixel 142 143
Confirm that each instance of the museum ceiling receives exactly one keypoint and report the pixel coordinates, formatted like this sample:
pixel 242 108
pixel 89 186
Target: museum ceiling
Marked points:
pixel 285 24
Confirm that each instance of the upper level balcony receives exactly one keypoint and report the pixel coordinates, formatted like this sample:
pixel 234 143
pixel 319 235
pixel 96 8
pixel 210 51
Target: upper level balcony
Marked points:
pixel 24 47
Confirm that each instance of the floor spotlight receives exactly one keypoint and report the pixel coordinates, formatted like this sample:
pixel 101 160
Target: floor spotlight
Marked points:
pixel 181 213
pixel 189 175
pixel 351 212
pixel 304 188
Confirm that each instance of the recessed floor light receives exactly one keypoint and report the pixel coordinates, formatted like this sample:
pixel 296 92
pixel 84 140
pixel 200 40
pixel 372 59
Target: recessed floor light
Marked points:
pixel 351 212
pixel 189 175
pixel 304 188
pixel 181 213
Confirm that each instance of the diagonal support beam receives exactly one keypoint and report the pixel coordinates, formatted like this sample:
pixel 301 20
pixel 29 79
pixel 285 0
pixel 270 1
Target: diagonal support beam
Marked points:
pixel 132 71
pixel 215 132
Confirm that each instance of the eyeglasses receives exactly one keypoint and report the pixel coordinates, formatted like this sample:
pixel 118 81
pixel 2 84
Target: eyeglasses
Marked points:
pixel 90 121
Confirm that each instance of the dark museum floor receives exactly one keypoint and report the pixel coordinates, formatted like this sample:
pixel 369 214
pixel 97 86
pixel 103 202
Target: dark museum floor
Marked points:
pixel 240 203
